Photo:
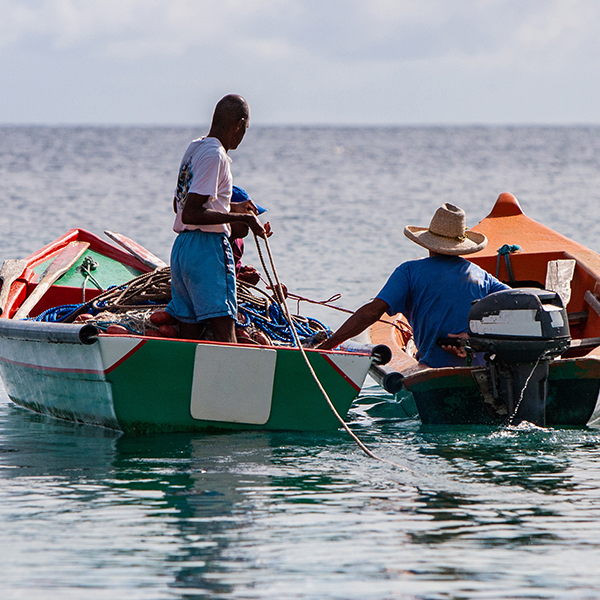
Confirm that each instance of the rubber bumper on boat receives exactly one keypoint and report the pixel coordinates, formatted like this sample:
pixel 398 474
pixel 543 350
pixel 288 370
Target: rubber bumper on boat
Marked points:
pixel 380 352
pixel 66 333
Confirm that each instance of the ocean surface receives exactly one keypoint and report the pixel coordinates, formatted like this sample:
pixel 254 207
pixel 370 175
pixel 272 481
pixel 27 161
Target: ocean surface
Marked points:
pixel 478 512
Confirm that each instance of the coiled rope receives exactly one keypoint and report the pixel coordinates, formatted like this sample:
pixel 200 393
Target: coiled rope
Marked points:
pixel 260 310
pixel 132 303
pixel 150 290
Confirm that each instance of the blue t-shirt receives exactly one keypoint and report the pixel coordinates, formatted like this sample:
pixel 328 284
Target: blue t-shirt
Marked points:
pixel 435 295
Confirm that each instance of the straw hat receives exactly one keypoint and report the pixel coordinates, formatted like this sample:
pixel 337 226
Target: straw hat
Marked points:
pixel 447 233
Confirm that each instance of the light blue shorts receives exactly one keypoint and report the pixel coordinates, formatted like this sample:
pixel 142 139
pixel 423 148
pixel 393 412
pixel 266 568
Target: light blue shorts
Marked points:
pixel 202 277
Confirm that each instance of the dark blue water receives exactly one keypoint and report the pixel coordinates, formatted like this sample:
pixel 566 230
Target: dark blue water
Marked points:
pixel 482 512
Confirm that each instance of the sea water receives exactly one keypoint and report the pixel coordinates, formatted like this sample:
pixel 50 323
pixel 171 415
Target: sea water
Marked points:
pixel 474 512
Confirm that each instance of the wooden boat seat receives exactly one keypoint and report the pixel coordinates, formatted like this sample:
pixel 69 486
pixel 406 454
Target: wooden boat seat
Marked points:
pixel 578 318
pixel 592 301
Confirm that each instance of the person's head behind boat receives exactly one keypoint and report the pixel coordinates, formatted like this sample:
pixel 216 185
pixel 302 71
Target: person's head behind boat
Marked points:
pixel 240 195
pixel 447 233
pixel 240 230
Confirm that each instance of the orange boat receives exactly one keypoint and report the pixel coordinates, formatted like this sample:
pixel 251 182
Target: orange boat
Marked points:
pixel 530 257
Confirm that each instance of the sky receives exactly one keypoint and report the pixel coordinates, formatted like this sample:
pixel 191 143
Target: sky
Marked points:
pixel 306 62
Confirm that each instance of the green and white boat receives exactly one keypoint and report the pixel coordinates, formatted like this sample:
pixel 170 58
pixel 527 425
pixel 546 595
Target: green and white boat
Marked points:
pixel 143 383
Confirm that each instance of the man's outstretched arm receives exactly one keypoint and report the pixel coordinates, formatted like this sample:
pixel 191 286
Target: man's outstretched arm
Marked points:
pixel 364 317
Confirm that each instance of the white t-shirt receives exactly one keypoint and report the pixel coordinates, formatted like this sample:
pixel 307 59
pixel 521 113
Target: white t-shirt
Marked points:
pixel 205 170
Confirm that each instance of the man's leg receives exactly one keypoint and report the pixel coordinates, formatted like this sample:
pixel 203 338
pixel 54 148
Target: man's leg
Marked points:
pixel 223 329
pixel 203 283
pixel 190 331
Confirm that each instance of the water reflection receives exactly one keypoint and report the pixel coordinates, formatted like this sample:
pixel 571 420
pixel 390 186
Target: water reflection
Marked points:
pixel 264 515
pixel 33 445
pixel 202 506
pixel 176 506
pixel 219 487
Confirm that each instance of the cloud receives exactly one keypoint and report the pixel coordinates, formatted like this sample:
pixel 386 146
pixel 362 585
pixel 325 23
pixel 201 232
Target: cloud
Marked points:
pixel 299 57
pixel 337 30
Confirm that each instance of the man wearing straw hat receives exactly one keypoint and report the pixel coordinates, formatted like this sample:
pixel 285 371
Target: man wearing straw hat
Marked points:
pixel 433 293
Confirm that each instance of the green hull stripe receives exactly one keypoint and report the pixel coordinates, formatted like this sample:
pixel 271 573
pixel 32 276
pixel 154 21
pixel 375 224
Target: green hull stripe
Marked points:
pixel 152 391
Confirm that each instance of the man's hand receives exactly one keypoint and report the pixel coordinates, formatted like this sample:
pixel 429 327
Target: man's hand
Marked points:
pixel 459 351
pixel 247 206
pixel 249 274
pixel 196 213
pixel 255 225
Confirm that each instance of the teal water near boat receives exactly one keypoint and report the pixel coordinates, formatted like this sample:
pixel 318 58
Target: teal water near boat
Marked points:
pixel 488 512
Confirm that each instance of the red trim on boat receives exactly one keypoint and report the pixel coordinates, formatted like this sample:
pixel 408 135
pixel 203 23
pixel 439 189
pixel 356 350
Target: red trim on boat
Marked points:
pixel 336 368
pixel 80 371
pixel 96 243
pixel 125 357
pixel 55 369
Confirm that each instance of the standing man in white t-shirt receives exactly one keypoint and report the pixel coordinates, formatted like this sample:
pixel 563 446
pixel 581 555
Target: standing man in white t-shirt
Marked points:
pixel 202 266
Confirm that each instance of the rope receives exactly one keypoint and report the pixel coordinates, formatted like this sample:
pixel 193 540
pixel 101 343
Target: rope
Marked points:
pixel 360 444
pixel 264 313
pixel 56 313
pixel 277 290
pixel 86 268
pixel 151 288
pixel 506 251
pixel 327 302
pixel 130 305
pixel 402 327
pixel 257 310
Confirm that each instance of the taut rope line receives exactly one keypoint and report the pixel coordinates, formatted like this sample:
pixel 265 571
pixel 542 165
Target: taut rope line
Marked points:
pixel 399 326
pixel 286 312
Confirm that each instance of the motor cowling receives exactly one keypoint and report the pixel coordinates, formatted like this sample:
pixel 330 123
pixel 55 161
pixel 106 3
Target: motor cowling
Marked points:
pixel 519 325
pixel 520 331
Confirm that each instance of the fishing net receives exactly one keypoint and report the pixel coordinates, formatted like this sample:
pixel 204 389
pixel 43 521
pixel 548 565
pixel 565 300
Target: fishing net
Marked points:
pixel 257 310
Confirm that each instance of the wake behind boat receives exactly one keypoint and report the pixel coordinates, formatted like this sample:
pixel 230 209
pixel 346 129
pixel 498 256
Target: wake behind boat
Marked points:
pixel 136 379
pixel 549 371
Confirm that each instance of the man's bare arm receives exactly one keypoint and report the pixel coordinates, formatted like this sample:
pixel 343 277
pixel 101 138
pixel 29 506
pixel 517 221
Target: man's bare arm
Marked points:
pixel 195 212
pixel 364 317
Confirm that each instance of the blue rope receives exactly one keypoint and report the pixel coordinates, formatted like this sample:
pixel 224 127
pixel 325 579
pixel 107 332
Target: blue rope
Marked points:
pixel 506 251
pixel 56 313
pixel 272 322
pixel 105 324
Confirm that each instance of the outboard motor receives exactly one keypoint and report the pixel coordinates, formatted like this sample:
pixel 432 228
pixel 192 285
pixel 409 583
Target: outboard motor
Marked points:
pixel 521 331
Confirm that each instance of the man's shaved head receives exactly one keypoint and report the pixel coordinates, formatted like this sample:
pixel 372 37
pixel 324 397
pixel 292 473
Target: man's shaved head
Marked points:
pixel 230 121
pixel 229 111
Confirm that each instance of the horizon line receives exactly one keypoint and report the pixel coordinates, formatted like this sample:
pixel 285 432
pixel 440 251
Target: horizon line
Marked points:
pixel 301 125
